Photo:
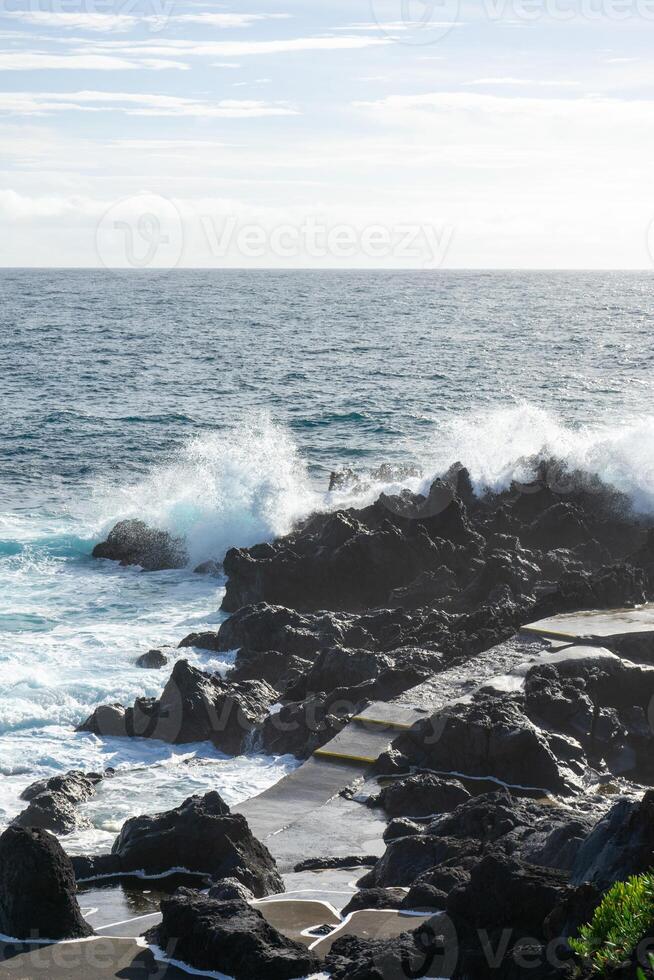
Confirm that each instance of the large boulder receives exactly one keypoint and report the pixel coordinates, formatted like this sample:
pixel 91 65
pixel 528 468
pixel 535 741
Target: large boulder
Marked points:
pixel 504 903
pixel 519 828
pixel 422 795
pixel 53 802
pixel 621 845
pixel 134 543
pixel 491 736
pixel 431 951
pixel 37 888
pixel 194 707
pixel 200 836
pixel 228 937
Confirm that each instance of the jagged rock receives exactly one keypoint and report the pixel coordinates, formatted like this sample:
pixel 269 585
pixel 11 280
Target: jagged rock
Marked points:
pixel 429 951
pixel 134 543
pixel 518 828
pixel 152 660
pixel 53 802
pixel 339 561
pixel 228 937
pixel 264 627
pixel 229 889
pixel 504 902
pixel 51 811
pixel 375 898
pixel 621 845
pixel 489 736
pixel 280 670
pixel 193 707
pixel 78 786
pixel 339 667
pixel 200 836
pixel 331 863
pixel 611 587
pixel 604 703
pixel 37 888
pixel 430 890
pixel 421 796
pixel 400 827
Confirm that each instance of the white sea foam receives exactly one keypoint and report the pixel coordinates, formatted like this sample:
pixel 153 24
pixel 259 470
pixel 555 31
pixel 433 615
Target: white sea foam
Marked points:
pixel 502 445
pixel 506 444
pixel 220 490
pixel 238 488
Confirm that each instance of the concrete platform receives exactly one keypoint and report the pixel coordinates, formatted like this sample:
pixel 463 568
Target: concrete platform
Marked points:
pixel 629 632
pixel 94 959
pixel 360 742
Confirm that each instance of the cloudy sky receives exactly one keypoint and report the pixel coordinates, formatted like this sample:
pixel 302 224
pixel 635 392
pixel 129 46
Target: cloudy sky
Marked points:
pixel 493 133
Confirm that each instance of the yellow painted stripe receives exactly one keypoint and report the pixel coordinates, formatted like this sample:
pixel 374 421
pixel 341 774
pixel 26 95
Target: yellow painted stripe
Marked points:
pixel 401 725
pixel 556 634
pixel 344 755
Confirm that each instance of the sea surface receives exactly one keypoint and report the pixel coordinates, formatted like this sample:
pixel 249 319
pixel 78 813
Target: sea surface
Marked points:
pixel 215 405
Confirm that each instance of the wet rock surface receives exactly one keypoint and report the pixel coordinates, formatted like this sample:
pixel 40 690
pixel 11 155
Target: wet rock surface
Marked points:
pixel 200 836
pixel 134 543
pixel 230 937
pixel 194 707
pixel 53 802
pixel 37 888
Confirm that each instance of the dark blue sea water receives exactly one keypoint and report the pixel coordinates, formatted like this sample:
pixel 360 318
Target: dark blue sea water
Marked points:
pixel 215 404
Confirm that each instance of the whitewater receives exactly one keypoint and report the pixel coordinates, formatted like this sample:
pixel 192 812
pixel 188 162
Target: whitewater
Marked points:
pixel 230 439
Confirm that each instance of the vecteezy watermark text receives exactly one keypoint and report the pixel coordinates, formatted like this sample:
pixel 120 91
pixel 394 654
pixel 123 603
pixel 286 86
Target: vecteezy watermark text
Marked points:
pixel 316 239
pixel 148 231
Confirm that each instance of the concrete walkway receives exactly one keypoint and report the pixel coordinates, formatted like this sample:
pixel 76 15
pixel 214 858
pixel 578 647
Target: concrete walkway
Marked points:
pixel 629 632
pixel 95 959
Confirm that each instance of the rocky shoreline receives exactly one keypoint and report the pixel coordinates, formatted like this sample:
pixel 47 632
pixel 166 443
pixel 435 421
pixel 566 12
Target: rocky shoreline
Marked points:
pixel 511 808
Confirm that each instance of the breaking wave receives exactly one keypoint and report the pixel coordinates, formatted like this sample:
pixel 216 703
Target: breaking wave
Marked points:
pixel 251 484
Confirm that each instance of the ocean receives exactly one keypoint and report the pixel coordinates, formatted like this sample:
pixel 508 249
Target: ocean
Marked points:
pixel 215 404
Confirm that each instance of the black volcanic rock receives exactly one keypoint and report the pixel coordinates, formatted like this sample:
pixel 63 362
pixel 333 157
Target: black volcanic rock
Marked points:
pixel 200 836
pixel 194 707
pixel 498 822
pixel 280 670
pixel 375 898
pixel 37 888
pixel 431 950
pixel 229 937
pixel 53 802
pixel 152 660
pixel 422 795
pixel 347 562
pixel 504 901
pixel 621 845
pixel 489 736
pixel 134 543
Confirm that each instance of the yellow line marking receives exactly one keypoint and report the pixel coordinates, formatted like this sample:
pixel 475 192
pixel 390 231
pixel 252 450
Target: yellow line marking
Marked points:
pixel 344 755
pixel 402 725
pixel 557 634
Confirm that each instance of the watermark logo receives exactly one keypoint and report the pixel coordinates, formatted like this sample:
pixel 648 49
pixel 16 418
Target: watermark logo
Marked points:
pixel 141 232
pixel 416 22
pixel 314 239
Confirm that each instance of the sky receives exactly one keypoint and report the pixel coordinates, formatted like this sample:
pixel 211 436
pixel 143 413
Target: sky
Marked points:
pixel 306 133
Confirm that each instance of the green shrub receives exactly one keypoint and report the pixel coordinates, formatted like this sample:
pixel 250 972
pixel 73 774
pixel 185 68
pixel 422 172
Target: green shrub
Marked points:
pixel 620 922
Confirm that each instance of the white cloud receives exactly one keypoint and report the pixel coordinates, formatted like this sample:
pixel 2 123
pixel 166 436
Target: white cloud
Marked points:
pixel 235 49
pixel 42 61
pixel 226 20
pixel 85 21
pixel 536 83
pixel 137 104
